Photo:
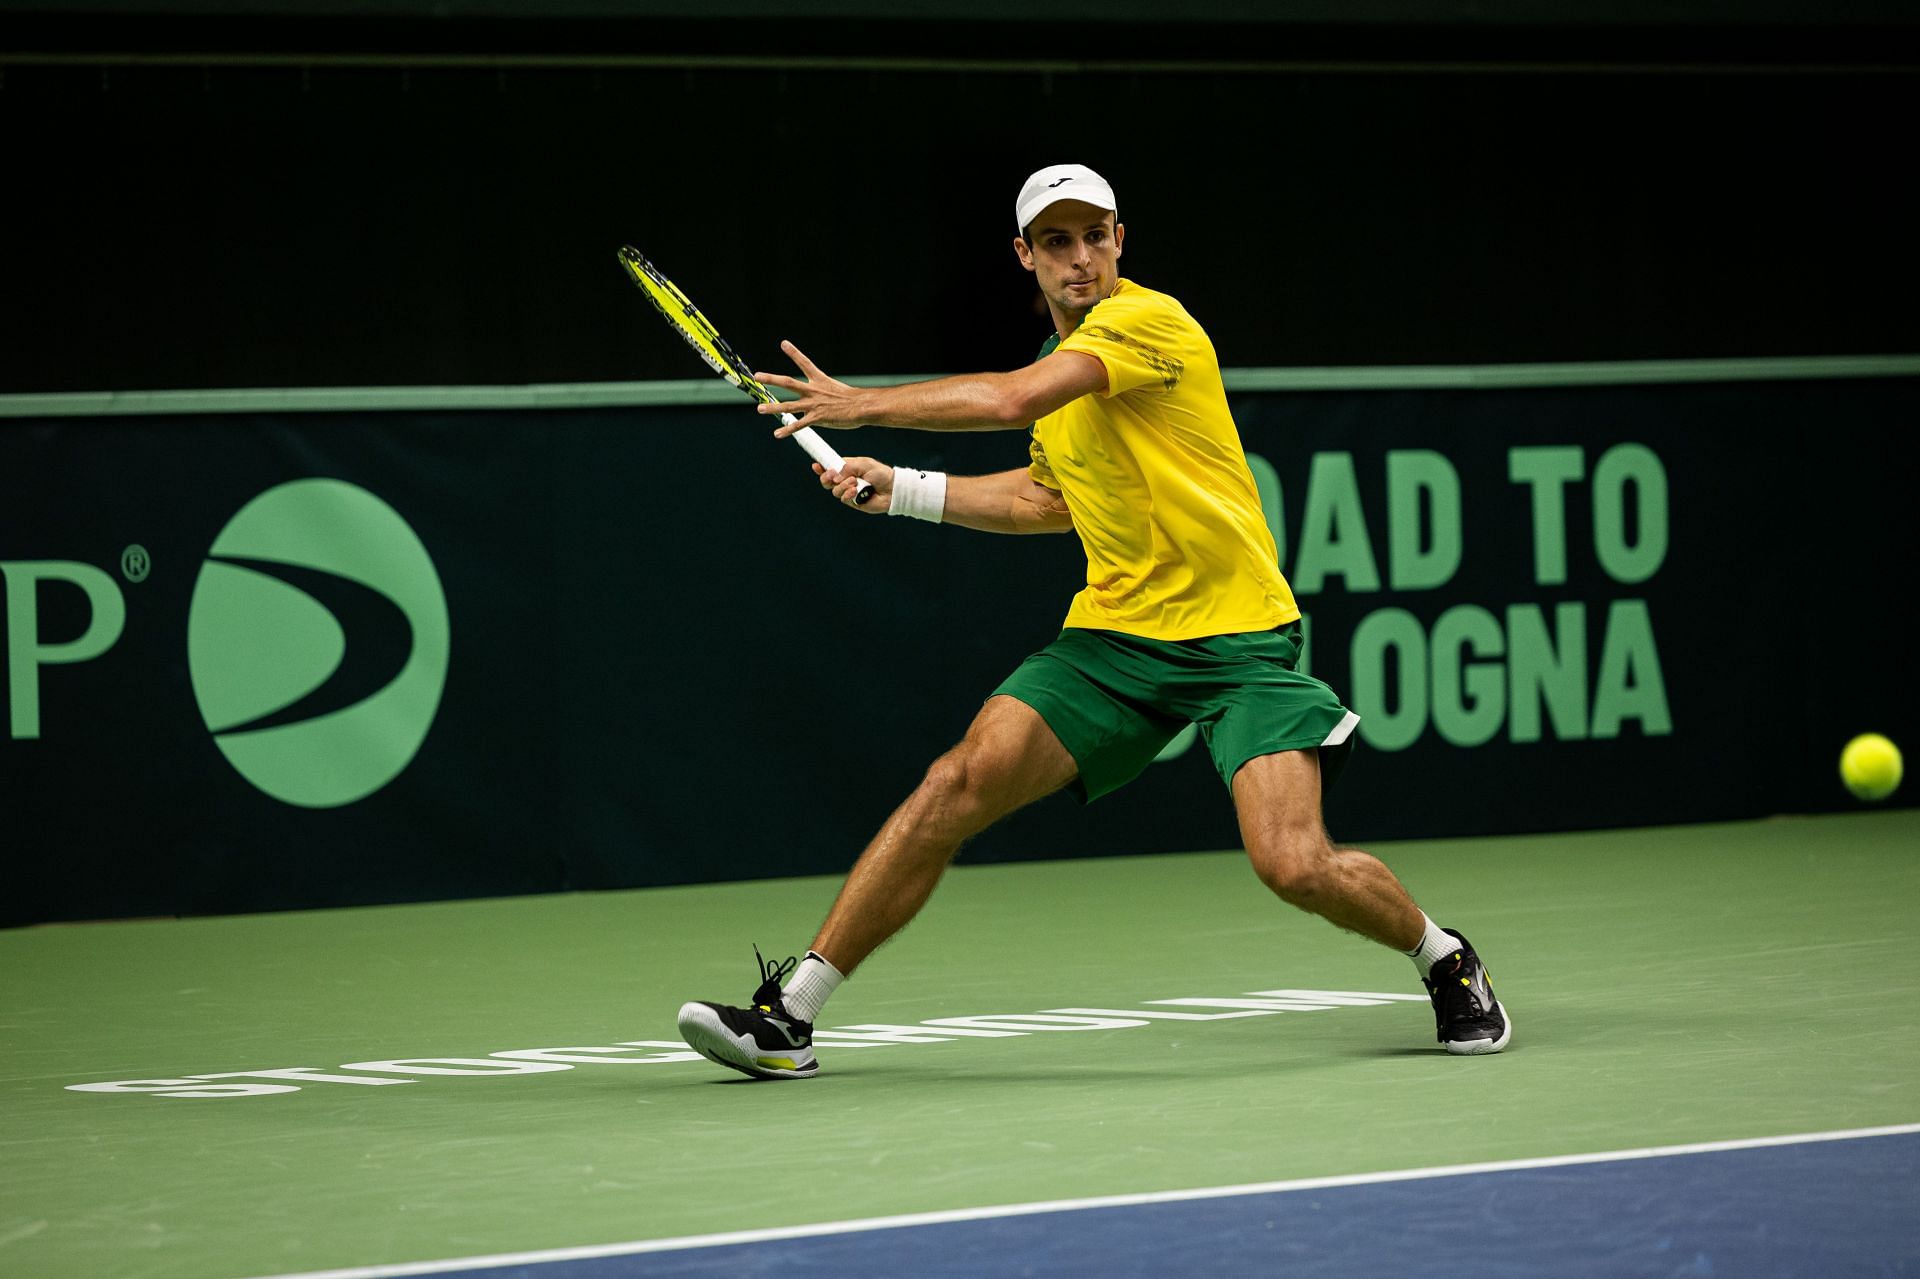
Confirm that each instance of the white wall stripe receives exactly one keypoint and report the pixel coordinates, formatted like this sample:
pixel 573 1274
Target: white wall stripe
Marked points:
pixel 1074 1205
pixel 696 391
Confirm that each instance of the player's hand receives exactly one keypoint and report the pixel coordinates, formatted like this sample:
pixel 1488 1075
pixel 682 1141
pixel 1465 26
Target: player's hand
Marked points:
pixel 823 401
pixel 845 483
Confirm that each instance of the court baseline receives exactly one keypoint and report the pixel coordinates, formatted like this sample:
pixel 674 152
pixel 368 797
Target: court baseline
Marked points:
pixel 1829 1203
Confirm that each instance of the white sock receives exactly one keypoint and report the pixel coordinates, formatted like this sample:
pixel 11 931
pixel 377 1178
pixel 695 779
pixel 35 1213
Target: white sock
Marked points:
pixel 812 982
pixel 1434 946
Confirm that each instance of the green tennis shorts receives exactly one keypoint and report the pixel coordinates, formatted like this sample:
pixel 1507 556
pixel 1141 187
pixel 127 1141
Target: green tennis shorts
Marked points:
pixel 1115 701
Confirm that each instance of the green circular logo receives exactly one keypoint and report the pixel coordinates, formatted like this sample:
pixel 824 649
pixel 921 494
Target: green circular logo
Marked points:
pixel 317 641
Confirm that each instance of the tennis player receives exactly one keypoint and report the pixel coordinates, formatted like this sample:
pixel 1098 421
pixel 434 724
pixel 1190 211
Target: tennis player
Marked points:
pixel 1185 618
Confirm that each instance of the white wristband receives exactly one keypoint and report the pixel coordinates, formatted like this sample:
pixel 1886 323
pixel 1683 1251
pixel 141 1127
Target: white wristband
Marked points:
pixel 919 494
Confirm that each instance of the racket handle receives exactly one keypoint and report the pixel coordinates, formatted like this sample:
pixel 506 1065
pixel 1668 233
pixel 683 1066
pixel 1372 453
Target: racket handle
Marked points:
pixel 822 452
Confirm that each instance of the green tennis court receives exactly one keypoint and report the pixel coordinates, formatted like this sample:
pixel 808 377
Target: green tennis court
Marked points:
pixel 1668 986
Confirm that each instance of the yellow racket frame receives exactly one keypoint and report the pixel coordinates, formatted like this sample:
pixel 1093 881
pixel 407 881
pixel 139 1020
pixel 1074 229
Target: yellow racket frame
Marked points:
pixel 679 311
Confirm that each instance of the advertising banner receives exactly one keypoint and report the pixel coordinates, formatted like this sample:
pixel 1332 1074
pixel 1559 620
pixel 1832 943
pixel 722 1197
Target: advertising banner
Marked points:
pixel 260 661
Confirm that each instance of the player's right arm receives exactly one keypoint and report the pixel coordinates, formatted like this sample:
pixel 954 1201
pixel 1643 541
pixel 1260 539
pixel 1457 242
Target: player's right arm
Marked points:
pixel 1006 502
pixel 970 402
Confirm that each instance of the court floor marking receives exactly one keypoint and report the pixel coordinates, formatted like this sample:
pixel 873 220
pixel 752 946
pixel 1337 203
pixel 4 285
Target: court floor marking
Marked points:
pixel 945 1216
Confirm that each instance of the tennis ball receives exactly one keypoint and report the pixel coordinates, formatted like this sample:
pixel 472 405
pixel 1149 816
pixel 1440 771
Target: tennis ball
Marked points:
pixel 1870 766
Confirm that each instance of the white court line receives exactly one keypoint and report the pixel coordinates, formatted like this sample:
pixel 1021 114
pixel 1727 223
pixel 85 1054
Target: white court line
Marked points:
pixel 1073 1205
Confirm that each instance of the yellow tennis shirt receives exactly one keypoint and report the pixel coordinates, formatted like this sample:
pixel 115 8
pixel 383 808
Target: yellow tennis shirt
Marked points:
pixel 1153 472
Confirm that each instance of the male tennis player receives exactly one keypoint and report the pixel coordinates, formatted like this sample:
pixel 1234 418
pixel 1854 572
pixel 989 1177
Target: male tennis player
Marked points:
pixel 1185 618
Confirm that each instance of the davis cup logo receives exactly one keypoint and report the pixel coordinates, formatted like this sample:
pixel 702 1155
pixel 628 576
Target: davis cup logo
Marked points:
pixel 312 712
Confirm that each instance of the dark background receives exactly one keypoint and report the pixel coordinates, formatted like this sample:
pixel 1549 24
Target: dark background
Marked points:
pixel 409 192
pixel 255 194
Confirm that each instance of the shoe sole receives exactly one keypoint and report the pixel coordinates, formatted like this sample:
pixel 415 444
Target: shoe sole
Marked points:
pixel 1481 1047
pixel 707 1035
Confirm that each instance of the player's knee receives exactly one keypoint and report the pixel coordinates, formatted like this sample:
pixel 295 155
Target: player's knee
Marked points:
pixel 961 787
pixel 949 778
pixel 1296 865
pixel 954 785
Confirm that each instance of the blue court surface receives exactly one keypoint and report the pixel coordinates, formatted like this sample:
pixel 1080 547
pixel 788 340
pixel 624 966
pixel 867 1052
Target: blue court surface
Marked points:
pixel 1831 1205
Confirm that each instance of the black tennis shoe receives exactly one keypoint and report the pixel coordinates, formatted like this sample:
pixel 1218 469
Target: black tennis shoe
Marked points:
pixel 1469 1019
pixel 761 1039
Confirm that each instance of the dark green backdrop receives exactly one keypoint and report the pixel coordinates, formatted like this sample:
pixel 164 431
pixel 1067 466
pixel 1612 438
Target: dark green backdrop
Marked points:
pixel 672 659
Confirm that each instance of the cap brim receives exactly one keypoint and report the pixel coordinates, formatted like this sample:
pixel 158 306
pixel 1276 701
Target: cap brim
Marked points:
pixel 1083 192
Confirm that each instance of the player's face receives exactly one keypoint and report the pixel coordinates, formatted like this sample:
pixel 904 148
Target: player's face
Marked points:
pixel 1074 254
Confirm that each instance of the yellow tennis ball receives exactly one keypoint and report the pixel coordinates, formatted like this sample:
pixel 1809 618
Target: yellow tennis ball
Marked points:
pixel 1870 766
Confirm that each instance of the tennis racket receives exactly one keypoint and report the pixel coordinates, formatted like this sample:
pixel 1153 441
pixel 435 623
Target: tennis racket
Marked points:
pixel 700 334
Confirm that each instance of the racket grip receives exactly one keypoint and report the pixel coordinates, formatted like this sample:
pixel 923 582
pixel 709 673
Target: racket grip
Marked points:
pixel 822 452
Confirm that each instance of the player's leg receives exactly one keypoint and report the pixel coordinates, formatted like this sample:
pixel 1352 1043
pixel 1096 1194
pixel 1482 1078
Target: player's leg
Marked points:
pixel 1278 737
pixel 1277 798
pixel 1008 758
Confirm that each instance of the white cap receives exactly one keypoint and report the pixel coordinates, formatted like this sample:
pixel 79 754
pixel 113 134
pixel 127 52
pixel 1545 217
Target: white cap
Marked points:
pixel 1060 182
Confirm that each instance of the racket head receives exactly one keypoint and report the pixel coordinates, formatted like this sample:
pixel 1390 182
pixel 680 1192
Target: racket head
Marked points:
pixel 687 320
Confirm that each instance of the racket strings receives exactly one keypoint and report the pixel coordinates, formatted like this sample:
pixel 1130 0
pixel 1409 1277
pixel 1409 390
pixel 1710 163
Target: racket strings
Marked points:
pixel 679 311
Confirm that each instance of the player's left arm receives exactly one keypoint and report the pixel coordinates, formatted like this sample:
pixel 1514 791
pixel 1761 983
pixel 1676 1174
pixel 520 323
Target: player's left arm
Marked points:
pixel 970 402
